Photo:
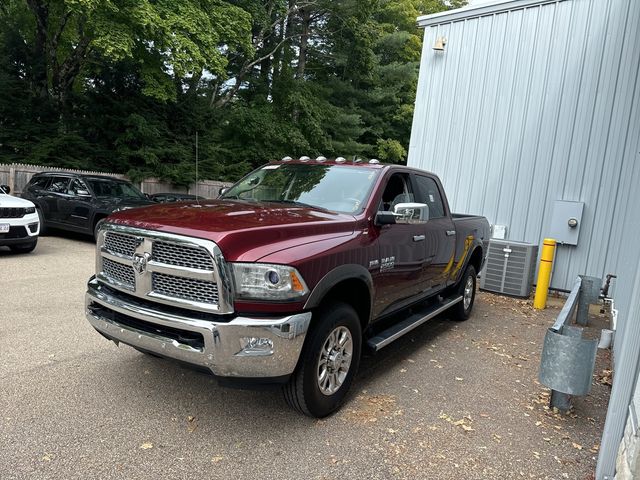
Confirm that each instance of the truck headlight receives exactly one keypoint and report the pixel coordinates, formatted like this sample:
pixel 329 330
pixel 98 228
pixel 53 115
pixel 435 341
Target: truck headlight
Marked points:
pixel 29 210
pixel 264 281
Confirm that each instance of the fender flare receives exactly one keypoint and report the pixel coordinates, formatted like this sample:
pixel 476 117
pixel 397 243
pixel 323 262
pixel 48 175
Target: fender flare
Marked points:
pixel 337 275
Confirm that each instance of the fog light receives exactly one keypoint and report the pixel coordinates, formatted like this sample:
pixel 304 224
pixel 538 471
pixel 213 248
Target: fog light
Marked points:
pixel 255 346
pixel 33 227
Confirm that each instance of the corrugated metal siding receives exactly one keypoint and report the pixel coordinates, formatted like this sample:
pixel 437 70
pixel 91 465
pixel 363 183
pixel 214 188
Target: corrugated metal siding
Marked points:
pixel 533 102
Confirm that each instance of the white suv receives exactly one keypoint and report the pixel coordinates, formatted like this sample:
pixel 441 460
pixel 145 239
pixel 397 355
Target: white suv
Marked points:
pixel 19 222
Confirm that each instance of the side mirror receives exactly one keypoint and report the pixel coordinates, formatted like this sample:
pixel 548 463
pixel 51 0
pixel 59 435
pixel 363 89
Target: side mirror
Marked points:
pixel 83 193
pixel 223 190
pixel 411 213
pixel 5 189
pixel 385 218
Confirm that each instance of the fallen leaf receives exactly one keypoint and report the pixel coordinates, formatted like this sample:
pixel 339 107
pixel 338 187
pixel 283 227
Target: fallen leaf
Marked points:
pixel 146 446
pixel 459 379
pixel 576 445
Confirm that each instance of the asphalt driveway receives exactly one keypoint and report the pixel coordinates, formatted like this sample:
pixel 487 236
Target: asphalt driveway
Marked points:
pixel 448 401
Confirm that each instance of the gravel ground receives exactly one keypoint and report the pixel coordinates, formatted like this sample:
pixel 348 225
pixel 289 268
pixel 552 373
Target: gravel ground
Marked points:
pixel 448 401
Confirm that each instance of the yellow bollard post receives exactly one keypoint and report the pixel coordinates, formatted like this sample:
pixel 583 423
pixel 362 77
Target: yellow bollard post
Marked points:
pixel 544 274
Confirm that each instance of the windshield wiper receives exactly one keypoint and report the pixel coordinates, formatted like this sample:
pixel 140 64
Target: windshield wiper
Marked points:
pixel 297 204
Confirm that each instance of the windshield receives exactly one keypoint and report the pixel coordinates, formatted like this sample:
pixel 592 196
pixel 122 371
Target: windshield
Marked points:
pixel 113 188
pixel 331 187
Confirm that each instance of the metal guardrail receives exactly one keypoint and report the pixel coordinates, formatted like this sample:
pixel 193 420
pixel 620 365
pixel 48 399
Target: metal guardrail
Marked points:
pixel 568 360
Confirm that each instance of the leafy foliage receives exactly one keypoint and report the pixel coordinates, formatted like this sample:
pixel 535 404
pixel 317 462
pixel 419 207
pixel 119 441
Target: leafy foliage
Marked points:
pixel 124 85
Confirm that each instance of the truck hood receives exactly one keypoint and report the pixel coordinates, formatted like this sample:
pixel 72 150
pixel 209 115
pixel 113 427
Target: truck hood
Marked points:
pixel 14 202
pixel 244 231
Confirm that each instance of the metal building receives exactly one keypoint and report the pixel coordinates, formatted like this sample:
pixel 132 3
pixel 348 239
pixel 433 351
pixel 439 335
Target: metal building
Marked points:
pixel 524 103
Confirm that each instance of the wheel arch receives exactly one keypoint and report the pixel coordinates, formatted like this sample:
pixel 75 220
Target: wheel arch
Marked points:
pixel 351 284
pixel 476 258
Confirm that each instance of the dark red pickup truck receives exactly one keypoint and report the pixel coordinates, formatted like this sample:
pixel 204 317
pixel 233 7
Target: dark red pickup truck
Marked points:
pixel 289 274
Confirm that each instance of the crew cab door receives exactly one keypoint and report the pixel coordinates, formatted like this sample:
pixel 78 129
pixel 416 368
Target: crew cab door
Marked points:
pixel 440 232
pixel 402 265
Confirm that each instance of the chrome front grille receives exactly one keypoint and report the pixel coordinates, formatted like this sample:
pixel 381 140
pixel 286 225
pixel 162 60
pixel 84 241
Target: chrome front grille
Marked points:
pixel 186 288
pixel 122 244
pixel 119 272
pixel 165 268
pixel 181 255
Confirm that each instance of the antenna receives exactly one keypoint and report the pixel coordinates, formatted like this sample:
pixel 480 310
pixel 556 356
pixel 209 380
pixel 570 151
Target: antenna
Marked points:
pixel 197 197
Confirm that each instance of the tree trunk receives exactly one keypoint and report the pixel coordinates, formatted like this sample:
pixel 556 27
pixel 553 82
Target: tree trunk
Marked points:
pixel 304 42
pixel 40 63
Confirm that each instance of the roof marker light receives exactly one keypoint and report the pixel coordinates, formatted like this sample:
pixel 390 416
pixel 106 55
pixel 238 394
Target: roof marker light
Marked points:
pixel 321 159
pixel 304 158
pixel 341 160
pixel 374 161
pixel 287 159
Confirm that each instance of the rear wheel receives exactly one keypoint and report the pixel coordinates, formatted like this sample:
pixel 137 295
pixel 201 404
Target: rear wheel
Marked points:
pixel 328 363
pixel 467 289
pixel 24 248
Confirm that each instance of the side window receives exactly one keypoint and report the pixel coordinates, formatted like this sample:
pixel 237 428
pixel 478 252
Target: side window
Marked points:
pixel 78 186
pixel 58 185
pixel 398 190
pixel 429 193
pixel 40 183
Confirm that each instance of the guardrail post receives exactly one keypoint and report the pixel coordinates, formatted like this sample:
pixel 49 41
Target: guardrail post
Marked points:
pixel 568 360
pixel 589 292
pixel 561 401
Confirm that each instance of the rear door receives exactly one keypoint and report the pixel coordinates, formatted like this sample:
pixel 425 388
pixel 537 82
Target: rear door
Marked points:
pixel 77 206
pixel 440 231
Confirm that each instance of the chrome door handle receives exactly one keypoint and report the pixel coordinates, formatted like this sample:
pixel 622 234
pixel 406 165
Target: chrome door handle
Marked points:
pixel 451 233
pixel 418 238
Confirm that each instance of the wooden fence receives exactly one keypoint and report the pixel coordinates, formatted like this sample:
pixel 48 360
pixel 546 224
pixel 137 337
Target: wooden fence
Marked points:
pixel 17 176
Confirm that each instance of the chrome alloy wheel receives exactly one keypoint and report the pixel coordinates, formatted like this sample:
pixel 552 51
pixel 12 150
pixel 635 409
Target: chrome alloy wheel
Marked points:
pixel 468 292
pixel 334 360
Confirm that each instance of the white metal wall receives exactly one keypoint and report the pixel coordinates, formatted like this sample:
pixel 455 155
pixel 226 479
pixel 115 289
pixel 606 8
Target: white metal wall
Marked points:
pixel 537 101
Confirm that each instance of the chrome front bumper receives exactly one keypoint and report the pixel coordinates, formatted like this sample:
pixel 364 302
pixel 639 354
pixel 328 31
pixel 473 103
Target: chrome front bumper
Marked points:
pixel 243 347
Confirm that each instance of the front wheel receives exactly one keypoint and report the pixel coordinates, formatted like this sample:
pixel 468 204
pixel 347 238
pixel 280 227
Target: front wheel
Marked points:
pixel 43 226
pixel 328 363
pixel 467 289
pixel 24 248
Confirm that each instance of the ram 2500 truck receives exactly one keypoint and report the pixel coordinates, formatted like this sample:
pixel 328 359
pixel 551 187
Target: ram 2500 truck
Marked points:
pixel 289 275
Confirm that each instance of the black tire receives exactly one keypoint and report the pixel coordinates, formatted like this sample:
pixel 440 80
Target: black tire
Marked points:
pixel 24 248
pixel 303 391
pixel 96 228
pixel 43 227
pixel 462 310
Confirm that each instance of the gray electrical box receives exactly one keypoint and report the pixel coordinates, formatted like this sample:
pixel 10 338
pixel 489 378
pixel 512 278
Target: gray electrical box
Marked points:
pixel 509 268
pixel 566 222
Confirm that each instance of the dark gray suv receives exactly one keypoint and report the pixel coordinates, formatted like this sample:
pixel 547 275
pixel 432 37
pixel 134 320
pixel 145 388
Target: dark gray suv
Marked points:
pixel 80 202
